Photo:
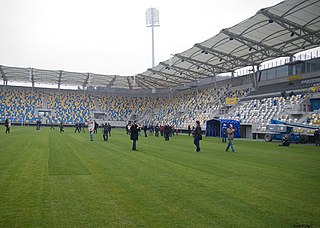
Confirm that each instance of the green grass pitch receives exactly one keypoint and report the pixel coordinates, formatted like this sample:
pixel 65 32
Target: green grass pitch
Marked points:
pixel 52 179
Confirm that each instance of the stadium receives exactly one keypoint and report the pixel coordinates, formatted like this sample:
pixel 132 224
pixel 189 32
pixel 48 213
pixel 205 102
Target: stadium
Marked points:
pixel 262 73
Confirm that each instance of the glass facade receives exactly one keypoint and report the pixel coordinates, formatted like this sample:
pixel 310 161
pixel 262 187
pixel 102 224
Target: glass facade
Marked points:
pixel 294 68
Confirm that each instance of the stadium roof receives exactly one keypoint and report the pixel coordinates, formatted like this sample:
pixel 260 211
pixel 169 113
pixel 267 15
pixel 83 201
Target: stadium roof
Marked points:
pixel 282 30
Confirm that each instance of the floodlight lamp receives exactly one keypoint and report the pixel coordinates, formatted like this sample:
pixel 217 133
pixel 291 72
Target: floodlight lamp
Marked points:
pixel 292 34
pixel 250 49
pixel 152 20
pixel 270 21
pixel 152 17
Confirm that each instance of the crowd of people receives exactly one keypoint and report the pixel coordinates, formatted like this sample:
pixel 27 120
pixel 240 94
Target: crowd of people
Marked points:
pixel 135 130
pixel 165 131
pixel 93 127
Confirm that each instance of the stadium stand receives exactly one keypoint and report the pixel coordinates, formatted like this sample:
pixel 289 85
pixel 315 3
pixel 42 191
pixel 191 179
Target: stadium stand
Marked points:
pixel 284 100
pixel 70 107
pixel 261 111
pixel 201 83
pixel 184 108
pixel 19 105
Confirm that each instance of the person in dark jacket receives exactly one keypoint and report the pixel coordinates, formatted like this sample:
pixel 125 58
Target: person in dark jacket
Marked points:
pixel 189 130
pixel 109 129
pixel 145 128
pixel 285 140
pixel 197 135
pixel 166 132
pixel 77 127
pixel 134 135
pixel 224 133
pixel 96 126
pixel 38 124
pixel 156 129
pixel 7 124
pixel 105 131
pixel 61 126
pixel 317 137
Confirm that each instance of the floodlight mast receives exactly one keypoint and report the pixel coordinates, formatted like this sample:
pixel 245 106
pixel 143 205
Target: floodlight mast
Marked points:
pixel 152 20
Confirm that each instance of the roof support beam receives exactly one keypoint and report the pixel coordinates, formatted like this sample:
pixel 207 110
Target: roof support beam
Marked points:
pixel 129 83
pixel 199 64
pixel 31 75
pixel 180 70
pixel 159 81
pixel 302 32
pixel 163 74
pixel 148 83
pixel 3 75
pixel 146 80
pixel 112 81
pixel 144 83
pixel 230 60
pixel 85 83
pixel 60 78
pixel 166 75
pixel 203 65
pixel 265 50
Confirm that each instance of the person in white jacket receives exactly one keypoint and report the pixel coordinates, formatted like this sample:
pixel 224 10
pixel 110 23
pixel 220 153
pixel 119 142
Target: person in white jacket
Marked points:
pixel 91 129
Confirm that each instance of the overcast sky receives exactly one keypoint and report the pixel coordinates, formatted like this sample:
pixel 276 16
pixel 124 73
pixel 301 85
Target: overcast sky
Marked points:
pixel 110 36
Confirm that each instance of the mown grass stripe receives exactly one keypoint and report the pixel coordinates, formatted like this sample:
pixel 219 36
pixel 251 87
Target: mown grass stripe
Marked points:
pixel 63 159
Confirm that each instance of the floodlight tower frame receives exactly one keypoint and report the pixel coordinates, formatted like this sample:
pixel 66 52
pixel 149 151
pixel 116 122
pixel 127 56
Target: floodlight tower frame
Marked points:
pixel 152 20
